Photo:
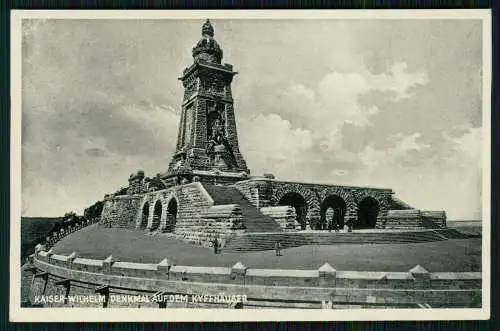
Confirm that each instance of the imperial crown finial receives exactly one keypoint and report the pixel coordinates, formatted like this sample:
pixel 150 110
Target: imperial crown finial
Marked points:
pixel 207 29
pixel 207 49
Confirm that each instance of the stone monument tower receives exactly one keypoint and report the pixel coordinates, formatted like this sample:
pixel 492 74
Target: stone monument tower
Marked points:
pixel 207 141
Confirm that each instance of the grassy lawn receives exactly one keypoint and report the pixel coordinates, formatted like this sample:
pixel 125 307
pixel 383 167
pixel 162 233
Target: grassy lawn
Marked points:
pixel 136 246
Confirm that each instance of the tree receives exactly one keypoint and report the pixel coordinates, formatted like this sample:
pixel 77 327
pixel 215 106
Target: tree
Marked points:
pixel 70 214
pixel 94 211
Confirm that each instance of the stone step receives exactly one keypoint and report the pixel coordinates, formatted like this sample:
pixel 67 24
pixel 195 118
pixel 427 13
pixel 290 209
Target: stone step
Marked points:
pixel 257 242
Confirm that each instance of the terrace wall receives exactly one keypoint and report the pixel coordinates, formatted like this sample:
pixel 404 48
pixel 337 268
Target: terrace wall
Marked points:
pixel 197 220
pixel 69 275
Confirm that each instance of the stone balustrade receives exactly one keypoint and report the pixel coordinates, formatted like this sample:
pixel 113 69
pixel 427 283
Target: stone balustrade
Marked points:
pixel 271 286
pixel 53 237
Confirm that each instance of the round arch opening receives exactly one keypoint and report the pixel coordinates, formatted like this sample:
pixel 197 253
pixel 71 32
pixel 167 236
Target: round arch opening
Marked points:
pixel 156 216
pixel 298 202
pixel 144 216
pixel 332 213
pixel 368 210
pixel 171 215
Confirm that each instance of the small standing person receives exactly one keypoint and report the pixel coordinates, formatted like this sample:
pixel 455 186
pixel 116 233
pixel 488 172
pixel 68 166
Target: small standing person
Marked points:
pixel 215 242
pixel 277 248
pixel 349 225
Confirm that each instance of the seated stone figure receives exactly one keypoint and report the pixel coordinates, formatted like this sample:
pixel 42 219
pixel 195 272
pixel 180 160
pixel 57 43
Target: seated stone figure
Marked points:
pixel 217 132
pixel 218 138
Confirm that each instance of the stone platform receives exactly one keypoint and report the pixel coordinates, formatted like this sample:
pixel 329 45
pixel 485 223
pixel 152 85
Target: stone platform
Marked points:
pixel 200 212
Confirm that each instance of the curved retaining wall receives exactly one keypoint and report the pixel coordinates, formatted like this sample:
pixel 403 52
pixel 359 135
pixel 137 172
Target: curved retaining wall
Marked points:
pixel 65 276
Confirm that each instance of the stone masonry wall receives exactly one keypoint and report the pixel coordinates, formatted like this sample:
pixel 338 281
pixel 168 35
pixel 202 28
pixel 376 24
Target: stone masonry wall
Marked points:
pixel 284 215
pixel 414 219
pixel 207 88
pixel 197 221
pixel 191 200
pixel 263 193
pixel 256 192
pixel 267 192
pixel 120 211
pixel 221 222
pixel 434 218
pixel 232 134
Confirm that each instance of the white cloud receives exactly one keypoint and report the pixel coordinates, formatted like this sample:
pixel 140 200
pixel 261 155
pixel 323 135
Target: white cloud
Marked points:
pixel 301 92
pixel 405 143
pixel 453 184
pixel 470 144
pixel 372 158
pixel 335 100
pixel 163 121
pixel 390 158
pixel 271 144
pixel 77 172
pixel 399 81
pixel 323 109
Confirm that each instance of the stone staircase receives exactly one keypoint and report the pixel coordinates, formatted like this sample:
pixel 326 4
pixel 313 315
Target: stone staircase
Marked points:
pixel 262 231
pixel 457 234
pixel 265 241
pixel 413 219
pixel 254 220
pixel 248 242
pixel 397 203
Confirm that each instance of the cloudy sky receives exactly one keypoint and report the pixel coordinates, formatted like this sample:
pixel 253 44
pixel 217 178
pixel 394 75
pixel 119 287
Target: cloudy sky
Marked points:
pixel 385 103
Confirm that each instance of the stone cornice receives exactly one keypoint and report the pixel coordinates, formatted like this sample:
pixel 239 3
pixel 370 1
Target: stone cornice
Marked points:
pixel 264 179
pixel 225 68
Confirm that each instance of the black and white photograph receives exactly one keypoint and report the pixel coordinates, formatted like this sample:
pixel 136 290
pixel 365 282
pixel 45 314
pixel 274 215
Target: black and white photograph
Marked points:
pixel 250 165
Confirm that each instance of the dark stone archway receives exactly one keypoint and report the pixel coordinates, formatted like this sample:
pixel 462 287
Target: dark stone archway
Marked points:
pixel 171 215
pixel 368 210
pixel 156 215
pixel 144 216
pixel 298 202
pixel 338 208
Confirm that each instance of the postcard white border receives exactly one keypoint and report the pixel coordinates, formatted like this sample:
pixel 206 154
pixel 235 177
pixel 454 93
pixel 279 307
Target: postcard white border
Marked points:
pixel 18 314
